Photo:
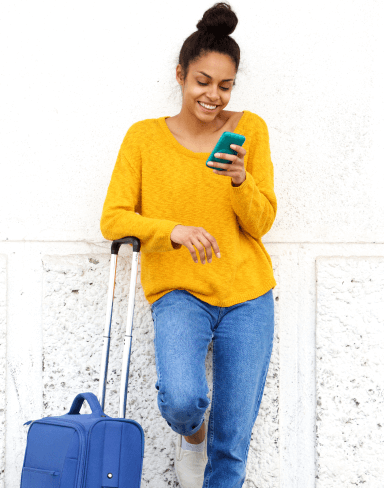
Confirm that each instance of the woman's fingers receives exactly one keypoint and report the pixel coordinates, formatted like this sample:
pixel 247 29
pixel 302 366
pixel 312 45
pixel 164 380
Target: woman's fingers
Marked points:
pixel 204 244
pixel 196 237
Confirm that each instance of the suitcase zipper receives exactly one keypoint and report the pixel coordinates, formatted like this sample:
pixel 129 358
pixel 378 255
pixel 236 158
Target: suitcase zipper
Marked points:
pixel 79 428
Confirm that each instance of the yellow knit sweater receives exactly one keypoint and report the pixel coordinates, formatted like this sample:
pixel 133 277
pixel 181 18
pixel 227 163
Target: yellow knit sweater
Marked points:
pixel 157 184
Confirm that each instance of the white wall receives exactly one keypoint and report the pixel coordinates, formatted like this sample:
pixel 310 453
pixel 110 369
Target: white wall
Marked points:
pixel 74 77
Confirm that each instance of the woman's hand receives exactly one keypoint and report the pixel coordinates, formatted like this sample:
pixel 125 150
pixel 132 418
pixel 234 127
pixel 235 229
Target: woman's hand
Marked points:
pixel 190 236
pixel 235 169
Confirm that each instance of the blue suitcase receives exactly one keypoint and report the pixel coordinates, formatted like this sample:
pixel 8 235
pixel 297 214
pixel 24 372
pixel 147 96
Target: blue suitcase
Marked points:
pixel 91 450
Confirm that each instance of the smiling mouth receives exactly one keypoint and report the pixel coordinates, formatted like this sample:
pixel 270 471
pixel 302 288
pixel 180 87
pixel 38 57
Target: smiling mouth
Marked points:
pixel 206 108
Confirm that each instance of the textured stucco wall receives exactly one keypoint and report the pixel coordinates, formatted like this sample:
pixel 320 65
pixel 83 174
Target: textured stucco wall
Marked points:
pixel 350 371
pixel 75 76
pixel 3 352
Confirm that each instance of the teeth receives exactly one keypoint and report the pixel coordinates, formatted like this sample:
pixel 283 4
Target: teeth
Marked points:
pixel 208 106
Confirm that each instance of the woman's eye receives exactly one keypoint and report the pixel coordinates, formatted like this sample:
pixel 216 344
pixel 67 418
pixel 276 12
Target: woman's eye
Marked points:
pixel 199 82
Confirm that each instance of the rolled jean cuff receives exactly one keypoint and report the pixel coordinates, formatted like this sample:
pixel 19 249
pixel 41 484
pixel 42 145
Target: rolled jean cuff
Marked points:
pixel 185 429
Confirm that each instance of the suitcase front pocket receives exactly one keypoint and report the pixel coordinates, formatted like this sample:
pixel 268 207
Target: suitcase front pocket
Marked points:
pixel 39 478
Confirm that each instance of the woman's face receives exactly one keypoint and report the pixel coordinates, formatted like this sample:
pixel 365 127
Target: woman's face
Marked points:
pixel 209 80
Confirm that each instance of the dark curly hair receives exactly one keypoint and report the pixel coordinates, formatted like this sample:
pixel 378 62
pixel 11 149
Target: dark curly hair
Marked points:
pixel 213 35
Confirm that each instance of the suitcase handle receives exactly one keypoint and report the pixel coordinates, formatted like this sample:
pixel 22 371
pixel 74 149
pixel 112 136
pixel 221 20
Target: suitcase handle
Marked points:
pixel 125 240
pixel 91 399
pixel 116 244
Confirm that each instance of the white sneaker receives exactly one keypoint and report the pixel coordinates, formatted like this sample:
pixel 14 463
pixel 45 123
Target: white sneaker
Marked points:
pixel 190 465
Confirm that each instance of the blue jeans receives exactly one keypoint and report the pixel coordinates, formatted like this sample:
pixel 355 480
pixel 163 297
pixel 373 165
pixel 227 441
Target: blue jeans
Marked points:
pixel 242 338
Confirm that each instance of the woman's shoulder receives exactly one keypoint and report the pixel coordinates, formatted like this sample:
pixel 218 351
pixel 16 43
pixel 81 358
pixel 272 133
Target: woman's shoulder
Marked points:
pixel 256 124
pixel 143 124
pixel 255 118
pixel 139 130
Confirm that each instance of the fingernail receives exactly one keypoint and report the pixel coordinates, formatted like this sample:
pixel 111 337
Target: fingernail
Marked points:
pixel 218 255
pixel 209 260
pixel 203 262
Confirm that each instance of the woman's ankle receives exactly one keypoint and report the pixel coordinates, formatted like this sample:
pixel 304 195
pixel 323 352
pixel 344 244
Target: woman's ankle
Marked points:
pixel 197 437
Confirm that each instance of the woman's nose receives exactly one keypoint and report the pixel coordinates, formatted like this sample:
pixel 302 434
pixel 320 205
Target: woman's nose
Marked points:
pixel 213 95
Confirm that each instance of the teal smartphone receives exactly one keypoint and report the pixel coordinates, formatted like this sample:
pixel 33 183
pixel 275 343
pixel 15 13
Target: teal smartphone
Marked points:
pixel 223 146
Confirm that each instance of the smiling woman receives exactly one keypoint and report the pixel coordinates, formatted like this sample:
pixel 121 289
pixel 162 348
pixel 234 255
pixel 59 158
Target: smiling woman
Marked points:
pixel 209 83
pixel 208 62
pixel 163 193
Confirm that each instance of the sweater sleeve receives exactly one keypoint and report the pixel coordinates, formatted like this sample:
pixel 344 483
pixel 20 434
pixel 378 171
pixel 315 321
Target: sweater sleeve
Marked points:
pixel 121 211
pixel 255 203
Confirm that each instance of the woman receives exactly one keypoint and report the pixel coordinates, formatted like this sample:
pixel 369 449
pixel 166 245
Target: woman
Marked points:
pixel 162 192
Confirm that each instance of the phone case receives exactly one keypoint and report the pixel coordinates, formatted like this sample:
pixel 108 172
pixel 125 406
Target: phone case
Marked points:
pixel 223 146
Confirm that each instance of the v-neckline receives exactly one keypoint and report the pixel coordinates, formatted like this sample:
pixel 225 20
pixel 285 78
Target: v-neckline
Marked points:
pixel 183 149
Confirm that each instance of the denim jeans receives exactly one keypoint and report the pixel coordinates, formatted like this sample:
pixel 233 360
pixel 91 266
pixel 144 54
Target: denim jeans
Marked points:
pixel 242 338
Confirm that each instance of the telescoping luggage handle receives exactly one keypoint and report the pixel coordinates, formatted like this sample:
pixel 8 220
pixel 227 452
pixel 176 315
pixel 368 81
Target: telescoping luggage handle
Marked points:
pixel 108 321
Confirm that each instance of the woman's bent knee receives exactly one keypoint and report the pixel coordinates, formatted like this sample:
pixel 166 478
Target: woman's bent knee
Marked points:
pixel 182 407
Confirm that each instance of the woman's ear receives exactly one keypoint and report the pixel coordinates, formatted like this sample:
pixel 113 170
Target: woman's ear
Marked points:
pixel 179 74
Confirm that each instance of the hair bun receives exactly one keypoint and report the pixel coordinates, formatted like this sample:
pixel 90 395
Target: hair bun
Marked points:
pixel 220 20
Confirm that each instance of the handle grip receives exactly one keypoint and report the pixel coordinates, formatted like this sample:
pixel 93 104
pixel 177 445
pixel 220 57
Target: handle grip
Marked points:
pixel 93 403
pixel 125 240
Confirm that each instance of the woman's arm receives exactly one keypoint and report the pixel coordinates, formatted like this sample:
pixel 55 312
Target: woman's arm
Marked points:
pixel 255 204
pixel 119 217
